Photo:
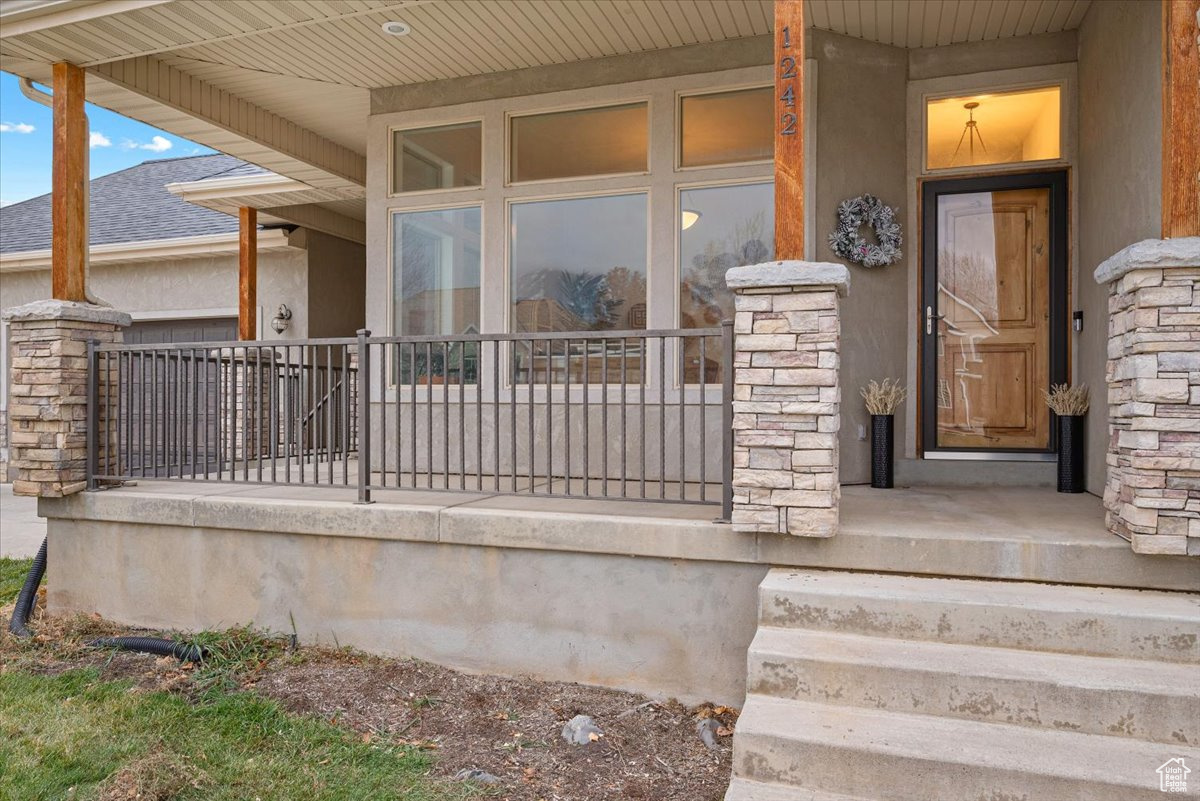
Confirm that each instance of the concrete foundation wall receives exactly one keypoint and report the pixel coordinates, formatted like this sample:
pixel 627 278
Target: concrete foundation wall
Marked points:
pixel 1120 176
pixel 668 627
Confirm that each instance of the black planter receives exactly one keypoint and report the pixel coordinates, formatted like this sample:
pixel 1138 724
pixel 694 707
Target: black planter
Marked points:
pixel 883 447
pixel 1072 470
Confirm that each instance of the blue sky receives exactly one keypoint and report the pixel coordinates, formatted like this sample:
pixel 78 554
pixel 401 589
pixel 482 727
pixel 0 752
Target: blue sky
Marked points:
pixel 26 135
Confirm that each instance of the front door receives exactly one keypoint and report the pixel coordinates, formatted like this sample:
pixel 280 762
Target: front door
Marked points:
pixel 993 313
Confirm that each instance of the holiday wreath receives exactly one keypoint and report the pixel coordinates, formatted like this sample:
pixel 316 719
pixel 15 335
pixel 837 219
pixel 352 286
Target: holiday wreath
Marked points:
pixel 847 243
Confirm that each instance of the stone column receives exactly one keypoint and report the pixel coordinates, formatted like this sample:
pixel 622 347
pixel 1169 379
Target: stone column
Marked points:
pixel 1152 495
pixel 786 397
pixel 48 392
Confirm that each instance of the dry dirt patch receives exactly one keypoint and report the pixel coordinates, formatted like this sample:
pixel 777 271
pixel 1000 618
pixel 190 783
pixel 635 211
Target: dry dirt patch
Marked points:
pixel 511 728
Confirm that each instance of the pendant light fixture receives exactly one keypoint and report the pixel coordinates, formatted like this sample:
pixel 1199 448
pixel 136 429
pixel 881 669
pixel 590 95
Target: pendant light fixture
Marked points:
pixel 970 133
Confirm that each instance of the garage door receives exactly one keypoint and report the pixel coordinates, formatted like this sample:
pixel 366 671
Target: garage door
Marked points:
pixel 158 410
pixel 149 332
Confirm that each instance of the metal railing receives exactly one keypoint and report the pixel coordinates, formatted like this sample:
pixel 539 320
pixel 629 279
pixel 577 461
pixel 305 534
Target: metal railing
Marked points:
pixel 643 415
pixel 283 412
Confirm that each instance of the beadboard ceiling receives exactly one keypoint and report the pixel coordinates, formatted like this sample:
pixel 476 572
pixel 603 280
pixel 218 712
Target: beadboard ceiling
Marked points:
pixel 313 62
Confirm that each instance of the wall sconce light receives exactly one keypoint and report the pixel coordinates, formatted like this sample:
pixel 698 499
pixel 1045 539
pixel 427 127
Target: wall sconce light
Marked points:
pixel 688 218
pixel 282 319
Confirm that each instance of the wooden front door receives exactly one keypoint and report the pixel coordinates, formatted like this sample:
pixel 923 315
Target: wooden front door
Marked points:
pixel 993 311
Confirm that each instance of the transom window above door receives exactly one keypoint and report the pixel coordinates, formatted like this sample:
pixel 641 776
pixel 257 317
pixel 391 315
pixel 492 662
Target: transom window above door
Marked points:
pixel 993 128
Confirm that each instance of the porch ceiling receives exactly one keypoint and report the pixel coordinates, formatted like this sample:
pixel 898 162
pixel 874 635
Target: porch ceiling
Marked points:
pixel 311 64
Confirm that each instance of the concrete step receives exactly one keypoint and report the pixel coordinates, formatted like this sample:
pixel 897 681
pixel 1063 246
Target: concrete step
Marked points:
pixel 1133 624
pixel 891 756
pixel 746 790
pixel 1156 701
pixel 983 473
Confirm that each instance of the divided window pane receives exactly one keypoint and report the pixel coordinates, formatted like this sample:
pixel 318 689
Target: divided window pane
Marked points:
pixel 580 143
pixel 443 157
pixel 435 258
pixel 727 127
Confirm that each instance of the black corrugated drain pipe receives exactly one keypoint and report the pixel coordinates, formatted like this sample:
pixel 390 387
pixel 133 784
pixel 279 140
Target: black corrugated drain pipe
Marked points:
pixel 19 624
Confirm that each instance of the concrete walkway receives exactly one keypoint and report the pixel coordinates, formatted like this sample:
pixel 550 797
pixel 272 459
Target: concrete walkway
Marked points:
pixel 21 530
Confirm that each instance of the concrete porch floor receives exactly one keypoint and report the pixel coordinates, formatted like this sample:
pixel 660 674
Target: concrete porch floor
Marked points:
pixel 1015 533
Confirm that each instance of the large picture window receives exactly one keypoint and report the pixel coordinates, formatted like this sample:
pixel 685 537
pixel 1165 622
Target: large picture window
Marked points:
pixel 435 257
pixel 720 227
pixel 579 264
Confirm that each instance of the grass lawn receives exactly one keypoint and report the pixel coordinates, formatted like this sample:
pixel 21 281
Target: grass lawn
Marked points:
pixel 263 718
pixel 12 576
pixel 68 733
pixel 99 737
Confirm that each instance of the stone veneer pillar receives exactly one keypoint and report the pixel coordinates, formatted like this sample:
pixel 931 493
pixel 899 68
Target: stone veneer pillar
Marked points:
pixel 1152 495
pixel 786 397
pixel 47 409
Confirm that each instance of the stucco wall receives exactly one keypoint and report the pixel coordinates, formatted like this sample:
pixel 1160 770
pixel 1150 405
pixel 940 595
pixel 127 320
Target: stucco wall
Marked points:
pixel 337 285
pixel 1120 175
pixel 862 152
pixel 175 284
pixel 159 287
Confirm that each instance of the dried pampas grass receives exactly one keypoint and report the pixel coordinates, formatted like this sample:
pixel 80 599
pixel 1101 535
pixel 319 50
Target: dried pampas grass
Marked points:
pixel 1067 401
pixel 883 398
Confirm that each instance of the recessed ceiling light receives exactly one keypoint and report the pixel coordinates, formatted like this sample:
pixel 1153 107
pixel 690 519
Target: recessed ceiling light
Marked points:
pixel 394 28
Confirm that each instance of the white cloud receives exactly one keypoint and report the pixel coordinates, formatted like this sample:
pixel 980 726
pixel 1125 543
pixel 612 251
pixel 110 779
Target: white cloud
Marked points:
pixel 157 144
pixel 97 139
pixel 16 127
pixel 4 203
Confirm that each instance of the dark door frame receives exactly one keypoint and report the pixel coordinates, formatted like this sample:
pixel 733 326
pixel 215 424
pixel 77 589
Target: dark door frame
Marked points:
pixel 1056 181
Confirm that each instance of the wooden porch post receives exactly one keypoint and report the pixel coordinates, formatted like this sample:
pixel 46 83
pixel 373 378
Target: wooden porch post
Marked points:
pixel 69 243
pixel 1180 119
pixel 789 129
pixel 247 272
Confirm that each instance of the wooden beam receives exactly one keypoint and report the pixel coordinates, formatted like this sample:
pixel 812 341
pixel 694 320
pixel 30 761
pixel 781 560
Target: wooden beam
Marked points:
pixel 1181 118
pixel 69 239
pixel 247 273
pixel 789 129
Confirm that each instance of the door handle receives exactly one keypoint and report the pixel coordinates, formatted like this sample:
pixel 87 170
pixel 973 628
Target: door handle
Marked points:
pixel 929 318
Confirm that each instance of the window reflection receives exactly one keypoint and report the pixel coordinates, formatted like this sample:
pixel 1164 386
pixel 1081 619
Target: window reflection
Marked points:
pixel 578 265
pixel 735 227
pixel 436 278
pixel 721 227
pixel 443 157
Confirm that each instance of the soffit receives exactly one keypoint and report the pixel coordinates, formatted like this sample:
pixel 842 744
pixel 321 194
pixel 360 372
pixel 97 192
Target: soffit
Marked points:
pixel 334 111
pixel 312 62
pixel 934 23
pixel 341 42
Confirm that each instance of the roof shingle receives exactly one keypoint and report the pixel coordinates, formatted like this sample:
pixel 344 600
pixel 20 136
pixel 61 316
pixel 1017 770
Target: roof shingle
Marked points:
pixel 131 205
